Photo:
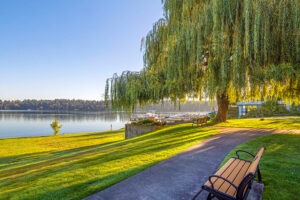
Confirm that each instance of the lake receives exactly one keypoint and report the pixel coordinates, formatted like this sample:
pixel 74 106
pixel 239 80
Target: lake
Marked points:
pixel 28 124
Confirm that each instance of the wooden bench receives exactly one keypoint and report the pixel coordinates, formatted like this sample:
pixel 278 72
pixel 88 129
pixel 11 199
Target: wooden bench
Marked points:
pixel 200 120
pixel 233 181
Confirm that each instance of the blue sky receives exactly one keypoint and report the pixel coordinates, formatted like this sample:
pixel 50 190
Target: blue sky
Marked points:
pixel 67 48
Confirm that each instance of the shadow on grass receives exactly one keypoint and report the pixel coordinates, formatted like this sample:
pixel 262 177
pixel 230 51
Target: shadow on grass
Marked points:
pixel 24 159
pixel 38 166
pixel 99 155
pixel 67 192
pixel 98 134
pixel 63 161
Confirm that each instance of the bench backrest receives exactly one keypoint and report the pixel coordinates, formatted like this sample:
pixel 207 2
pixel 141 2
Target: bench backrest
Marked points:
pixel 249 174
pixel 253 167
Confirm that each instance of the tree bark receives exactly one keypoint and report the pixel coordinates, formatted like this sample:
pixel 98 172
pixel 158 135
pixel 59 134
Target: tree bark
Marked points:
pixel 223 102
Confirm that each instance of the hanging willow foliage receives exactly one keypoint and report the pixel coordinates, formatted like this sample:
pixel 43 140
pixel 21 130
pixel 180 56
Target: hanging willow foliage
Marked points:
pixel 231 50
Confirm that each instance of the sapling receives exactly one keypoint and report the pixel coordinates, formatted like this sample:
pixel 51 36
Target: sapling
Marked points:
pixel 56 126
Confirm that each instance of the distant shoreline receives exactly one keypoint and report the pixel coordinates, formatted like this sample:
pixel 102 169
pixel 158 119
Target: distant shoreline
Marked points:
pixel 96 112
pixel 54 111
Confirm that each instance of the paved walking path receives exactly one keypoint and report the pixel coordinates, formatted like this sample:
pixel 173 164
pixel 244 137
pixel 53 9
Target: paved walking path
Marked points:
pixel 181 176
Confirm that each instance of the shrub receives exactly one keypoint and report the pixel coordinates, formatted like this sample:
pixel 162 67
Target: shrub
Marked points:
pixel 295 109
pixel 149 122
pixel 267 109
pixel 212 117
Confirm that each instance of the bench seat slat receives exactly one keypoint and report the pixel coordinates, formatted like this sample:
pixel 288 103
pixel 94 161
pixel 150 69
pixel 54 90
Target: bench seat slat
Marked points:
pixel 224 172
pixel 226 187
pixel 222 169
pixel 231 191
pixel 233 171
pixel 225 167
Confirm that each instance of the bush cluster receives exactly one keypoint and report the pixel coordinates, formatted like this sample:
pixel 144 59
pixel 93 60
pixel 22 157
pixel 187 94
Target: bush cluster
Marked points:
pixel 149 122
pixel 271 108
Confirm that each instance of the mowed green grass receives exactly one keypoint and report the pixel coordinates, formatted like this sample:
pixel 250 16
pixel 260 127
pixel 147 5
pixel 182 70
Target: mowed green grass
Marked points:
pixel 75 166
pixel 286 123
pixel 280 165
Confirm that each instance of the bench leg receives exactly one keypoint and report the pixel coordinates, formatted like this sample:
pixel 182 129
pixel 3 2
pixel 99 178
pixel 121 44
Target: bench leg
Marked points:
pixel 259 175
pixel 210 196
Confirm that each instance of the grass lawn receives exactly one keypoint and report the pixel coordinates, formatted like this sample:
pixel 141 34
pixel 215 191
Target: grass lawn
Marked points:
pixel 75 166
pixel 280 165
pixel 286 123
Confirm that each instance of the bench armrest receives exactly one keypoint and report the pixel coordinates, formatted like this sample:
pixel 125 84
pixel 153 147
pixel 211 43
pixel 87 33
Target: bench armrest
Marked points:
pixel 242 151
pixel 216 176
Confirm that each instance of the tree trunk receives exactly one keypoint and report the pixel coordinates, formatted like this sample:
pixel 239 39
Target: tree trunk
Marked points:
pixel 223 102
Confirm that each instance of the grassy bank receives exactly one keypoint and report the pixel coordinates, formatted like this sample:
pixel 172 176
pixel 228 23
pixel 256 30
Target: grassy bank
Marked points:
pixel 279 165
pixel 75 166
pixel 286 123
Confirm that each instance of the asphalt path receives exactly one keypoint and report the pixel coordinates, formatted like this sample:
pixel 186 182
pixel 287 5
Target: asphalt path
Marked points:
pixel 181 177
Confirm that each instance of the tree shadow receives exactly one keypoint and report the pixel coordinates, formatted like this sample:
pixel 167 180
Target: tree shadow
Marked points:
pixel 50 164
pixel 69 192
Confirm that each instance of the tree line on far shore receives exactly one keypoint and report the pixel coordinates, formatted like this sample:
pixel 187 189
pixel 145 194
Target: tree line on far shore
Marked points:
pixel 54 105
pixel 67 105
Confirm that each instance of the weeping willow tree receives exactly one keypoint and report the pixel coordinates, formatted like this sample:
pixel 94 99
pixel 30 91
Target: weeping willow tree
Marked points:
pixel 228 50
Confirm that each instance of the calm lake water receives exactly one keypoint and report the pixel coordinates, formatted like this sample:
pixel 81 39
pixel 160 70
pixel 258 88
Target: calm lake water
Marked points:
pixel 28 124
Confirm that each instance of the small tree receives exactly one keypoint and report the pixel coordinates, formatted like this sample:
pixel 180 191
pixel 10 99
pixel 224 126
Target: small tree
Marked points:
pixel 55 126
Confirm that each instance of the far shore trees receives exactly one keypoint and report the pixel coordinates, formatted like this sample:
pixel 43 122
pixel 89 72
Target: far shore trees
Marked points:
pixel 56 105
pixel 228 50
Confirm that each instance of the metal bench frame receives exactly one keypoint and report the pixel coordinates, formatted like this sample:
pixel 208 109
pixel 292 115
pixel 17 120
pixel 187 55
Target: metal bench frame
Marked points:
pixel 246 182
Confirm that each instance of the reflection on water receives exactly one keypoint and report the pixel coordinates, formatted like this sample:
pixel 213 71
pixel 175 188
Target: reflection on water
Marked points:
pixel 23 124
pixel 66 116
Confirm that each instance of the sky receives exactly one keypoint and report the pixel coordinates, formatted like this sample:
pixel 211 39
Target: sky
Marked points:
pixel 68 48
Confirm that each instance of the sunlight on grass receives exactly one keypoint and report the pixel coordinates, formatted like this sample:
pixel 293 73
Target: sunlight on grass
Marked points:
pixel 287 123
pixel 279 165
pixel 75 166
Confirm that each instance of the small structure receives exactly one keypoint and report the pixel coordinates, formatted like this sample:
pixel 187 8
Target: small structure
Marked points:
pixel 243 106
